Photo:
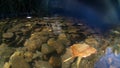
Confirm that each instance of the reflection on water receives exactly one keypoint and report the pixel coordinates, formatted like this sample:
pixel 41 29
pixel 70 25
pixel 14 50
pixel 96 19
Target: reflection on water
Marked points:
pixel 109 60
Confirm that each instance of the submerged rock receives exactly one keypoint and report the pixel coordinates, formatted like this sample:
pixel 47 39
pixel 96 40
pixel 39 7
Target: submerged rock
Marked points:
pixel 56 27
pixel 57 44
pixel 36 40
pixel 6 65
pixel 37 54
pixel 8 35
pixel 66 55
pixel 42 64
pixel 5 53
pixel 55 61
pixel 28 56
pixel 17 60
pixel 46 49
pixel 32 45
pixel 51 42
pixel 63 39
pixel 59 47
pixel 92 41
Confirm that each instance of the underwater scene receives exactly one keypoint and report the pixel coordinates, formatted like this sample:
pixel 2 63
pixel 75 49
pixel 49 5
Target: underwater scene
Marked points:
pixel 59 34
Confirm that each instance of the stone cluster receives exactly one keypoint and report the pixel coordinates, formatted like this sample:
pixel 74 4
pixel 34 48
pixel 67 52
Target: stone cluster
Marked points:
pixel 44 42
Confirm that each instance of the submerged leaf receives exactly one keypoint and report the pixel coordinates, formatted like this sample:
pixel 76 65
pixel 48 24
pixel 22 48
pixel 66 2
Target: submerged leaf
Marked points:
pixel 82 50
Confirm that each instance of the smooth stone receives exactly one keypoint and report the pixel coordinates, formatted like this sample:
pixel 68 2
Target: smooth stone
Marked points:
pixel 8 35
pixel 42 64
pixel 45 49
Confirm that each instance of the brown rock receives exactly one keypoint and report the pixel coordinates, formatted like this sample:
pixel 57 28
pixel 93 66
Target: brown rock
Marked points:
pixel 45 49
pixel 92 41
pixel 65 42
pixel 19 62
pixel 25 31
pixel 66 55
pixel 42 64
pixel 59 47
pixel 5 53
pixel 51 42
pixel 32 45
pixel 57 44
pixel 8 35
pixel 28 56
pixel 55 61
pixel 6 65
pixel 62 36
pixel 36 40
pixel 63 39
